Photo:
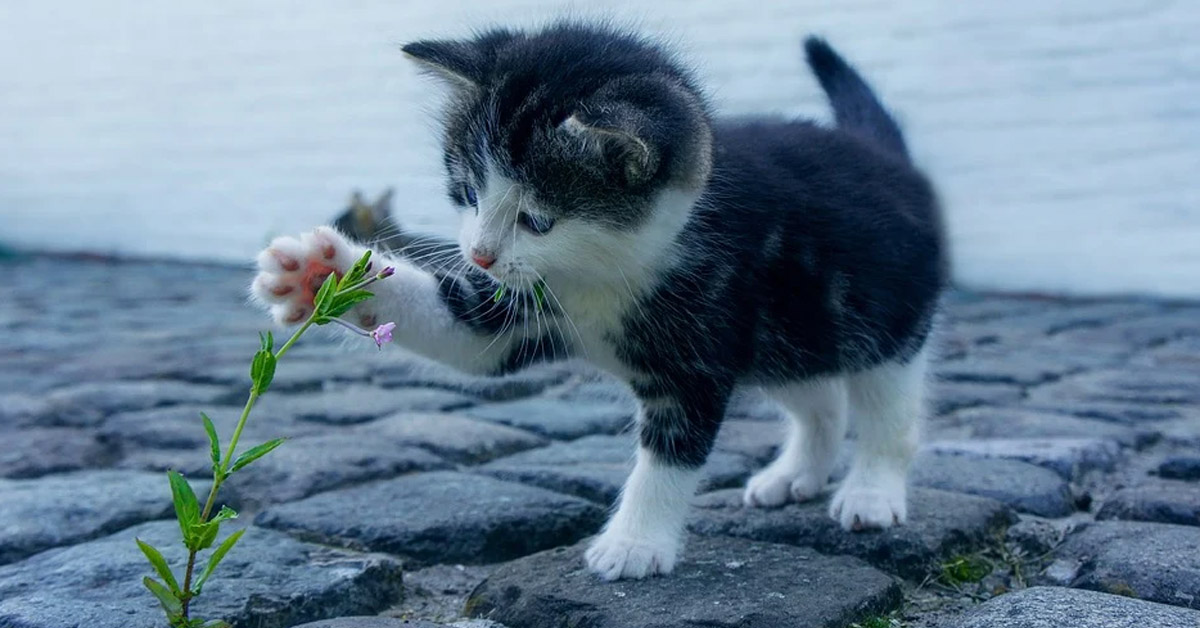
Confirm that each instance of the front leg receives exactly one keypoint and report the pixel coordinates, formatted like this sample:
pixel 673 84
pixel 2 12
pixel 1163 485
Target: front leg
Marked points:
pixel 450 318
pixel 645 534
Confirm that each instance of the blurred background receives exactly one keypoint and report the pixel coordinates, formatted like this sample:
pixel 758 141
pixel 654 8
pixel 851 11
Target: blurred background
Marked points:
pixel 1064 135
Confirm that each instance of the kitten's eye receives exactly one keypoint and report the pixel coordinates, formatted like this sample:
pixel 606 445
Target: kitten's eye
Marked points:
pixel 537 225
pixel 469 194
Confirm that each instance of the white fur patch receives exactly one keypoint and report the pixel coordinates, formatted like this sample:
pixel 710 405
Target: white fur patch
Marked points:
pixel 645 535
pixel 888 402
pixel 815 427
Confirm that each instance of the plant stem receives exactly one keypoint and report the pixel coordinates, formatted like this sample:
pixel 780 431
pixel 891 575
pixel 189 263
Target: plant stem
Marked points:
pixel 219 473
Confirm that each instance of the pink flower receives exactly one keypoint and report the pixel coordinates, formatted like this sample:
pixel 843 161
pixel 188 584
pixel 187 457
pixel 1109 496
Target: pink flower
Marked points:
pixel 383 334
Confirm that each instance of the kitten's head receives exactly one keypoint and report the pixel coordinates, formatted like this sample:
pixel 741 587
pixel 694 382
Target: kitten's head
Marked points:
pixel 573 151
pixel 367 222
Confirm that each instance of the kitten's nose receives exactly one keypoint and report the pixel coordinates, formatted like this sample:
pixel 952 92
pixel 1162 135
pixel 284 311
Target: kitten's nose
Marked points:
pixel 484 258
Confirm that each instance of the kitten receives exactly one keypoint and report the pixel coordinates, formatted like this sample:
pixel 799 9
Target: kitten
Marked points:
pixel 373 225
pixel 687 255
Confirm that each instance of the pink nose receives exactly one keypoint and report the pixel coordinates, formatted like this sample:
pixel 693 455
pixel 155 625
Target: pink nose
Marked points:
pixel 484 260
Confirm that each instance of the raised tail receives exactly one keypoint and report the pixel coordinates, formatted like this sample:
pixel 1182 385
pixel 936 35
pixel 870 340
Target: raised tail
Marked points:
pixel 855 106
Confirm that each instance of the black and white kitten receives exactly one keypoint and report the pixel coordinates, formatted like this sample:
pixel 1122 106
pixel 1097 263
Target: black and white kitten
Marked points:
pixel 686 255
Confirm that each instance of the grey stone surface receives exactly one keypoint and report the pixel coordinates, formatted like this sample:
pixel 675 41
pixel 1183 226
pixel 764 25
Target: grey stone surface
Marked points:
pixel 425 374
pixel 595 467
pixel 559 418
pixel 1007 422
pixel 1069 457
pixel 1151 561
pixel 312 464
pixel 293 375
pixel 35 452
pixel 758 440
pixel 1035 537
pixel 940 524
pixel 180 427
pixel 60 510
pixel 440 517
pixel 1152 386
pixel 88 403
pixel 1054 607
pixel 1127 413
pixel 719 582
pixel 268 581
pixel 948 396
pixel 993 365
pixel 439 592
pixel 1023 486
pixel 1100 391
pixel 1180 468
pixel 1162 502
pixel 371 622
pixel 21 408
pixel 1140 332
pixel 360 404
pixel 453 437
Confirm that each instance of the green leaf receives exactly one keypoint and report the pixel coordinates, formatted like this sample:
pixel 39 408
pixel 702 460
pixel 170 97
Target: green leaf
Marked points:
pixel 499 294
pixel 169 602
pixel 324 297
pixel 539 295
pixel 255 453
pixel 268 342
pixel 356 272
pixel 212 439
pixel 225 514
pixel 160 565
pixel 187 509
pixel 204 534
pixel 216 557
pixel 343 302
pixel 262 370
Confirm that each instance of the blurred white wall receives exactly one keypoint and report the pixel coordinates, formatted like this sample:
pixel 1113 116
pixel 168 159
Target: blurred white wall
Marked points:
pixel 1064 135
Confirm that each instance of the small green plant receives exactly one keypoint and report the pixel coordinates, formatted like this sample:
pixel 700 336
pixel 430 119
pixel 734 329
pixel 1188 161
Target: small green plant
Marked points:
pixel 965 569
pixel 878 621
pixel 198 525
pixel 539 295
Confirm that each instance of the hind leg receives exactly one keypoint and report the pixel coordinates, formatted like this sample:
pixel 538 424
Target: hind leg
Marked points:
pixel 815 427
pixel 888 403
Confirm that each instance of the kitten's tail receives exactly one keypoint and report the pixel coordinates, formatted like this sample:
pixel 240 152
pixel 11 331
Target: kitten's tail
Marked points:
pixel 855 106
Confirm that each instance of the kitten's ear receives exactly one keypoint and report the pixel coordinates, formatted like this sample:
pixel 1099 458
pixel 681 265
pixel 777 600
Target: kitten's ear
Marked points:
pixel 385 199
pixel 462 63
pixel 356 199
pixel 615 135
pixel 382 209
pixel 455 61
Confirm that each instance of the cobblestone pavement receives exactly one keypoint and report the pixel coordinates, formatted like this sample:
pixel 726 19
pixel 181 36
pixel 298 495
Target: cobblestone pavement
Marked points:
pixel 1059 483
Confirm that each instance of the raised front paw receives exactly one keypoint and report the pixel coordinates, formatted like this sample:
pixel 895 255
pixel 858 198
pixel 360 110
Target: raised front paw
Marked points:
pixel 614 556
pixel 291 270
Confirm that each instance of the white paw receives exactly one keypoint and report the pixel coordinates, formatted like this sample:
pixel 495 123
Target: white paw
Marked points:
pixel 869 506
pixel 617 556
pixel 806 487
pixel 773 487
pixel 291 270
